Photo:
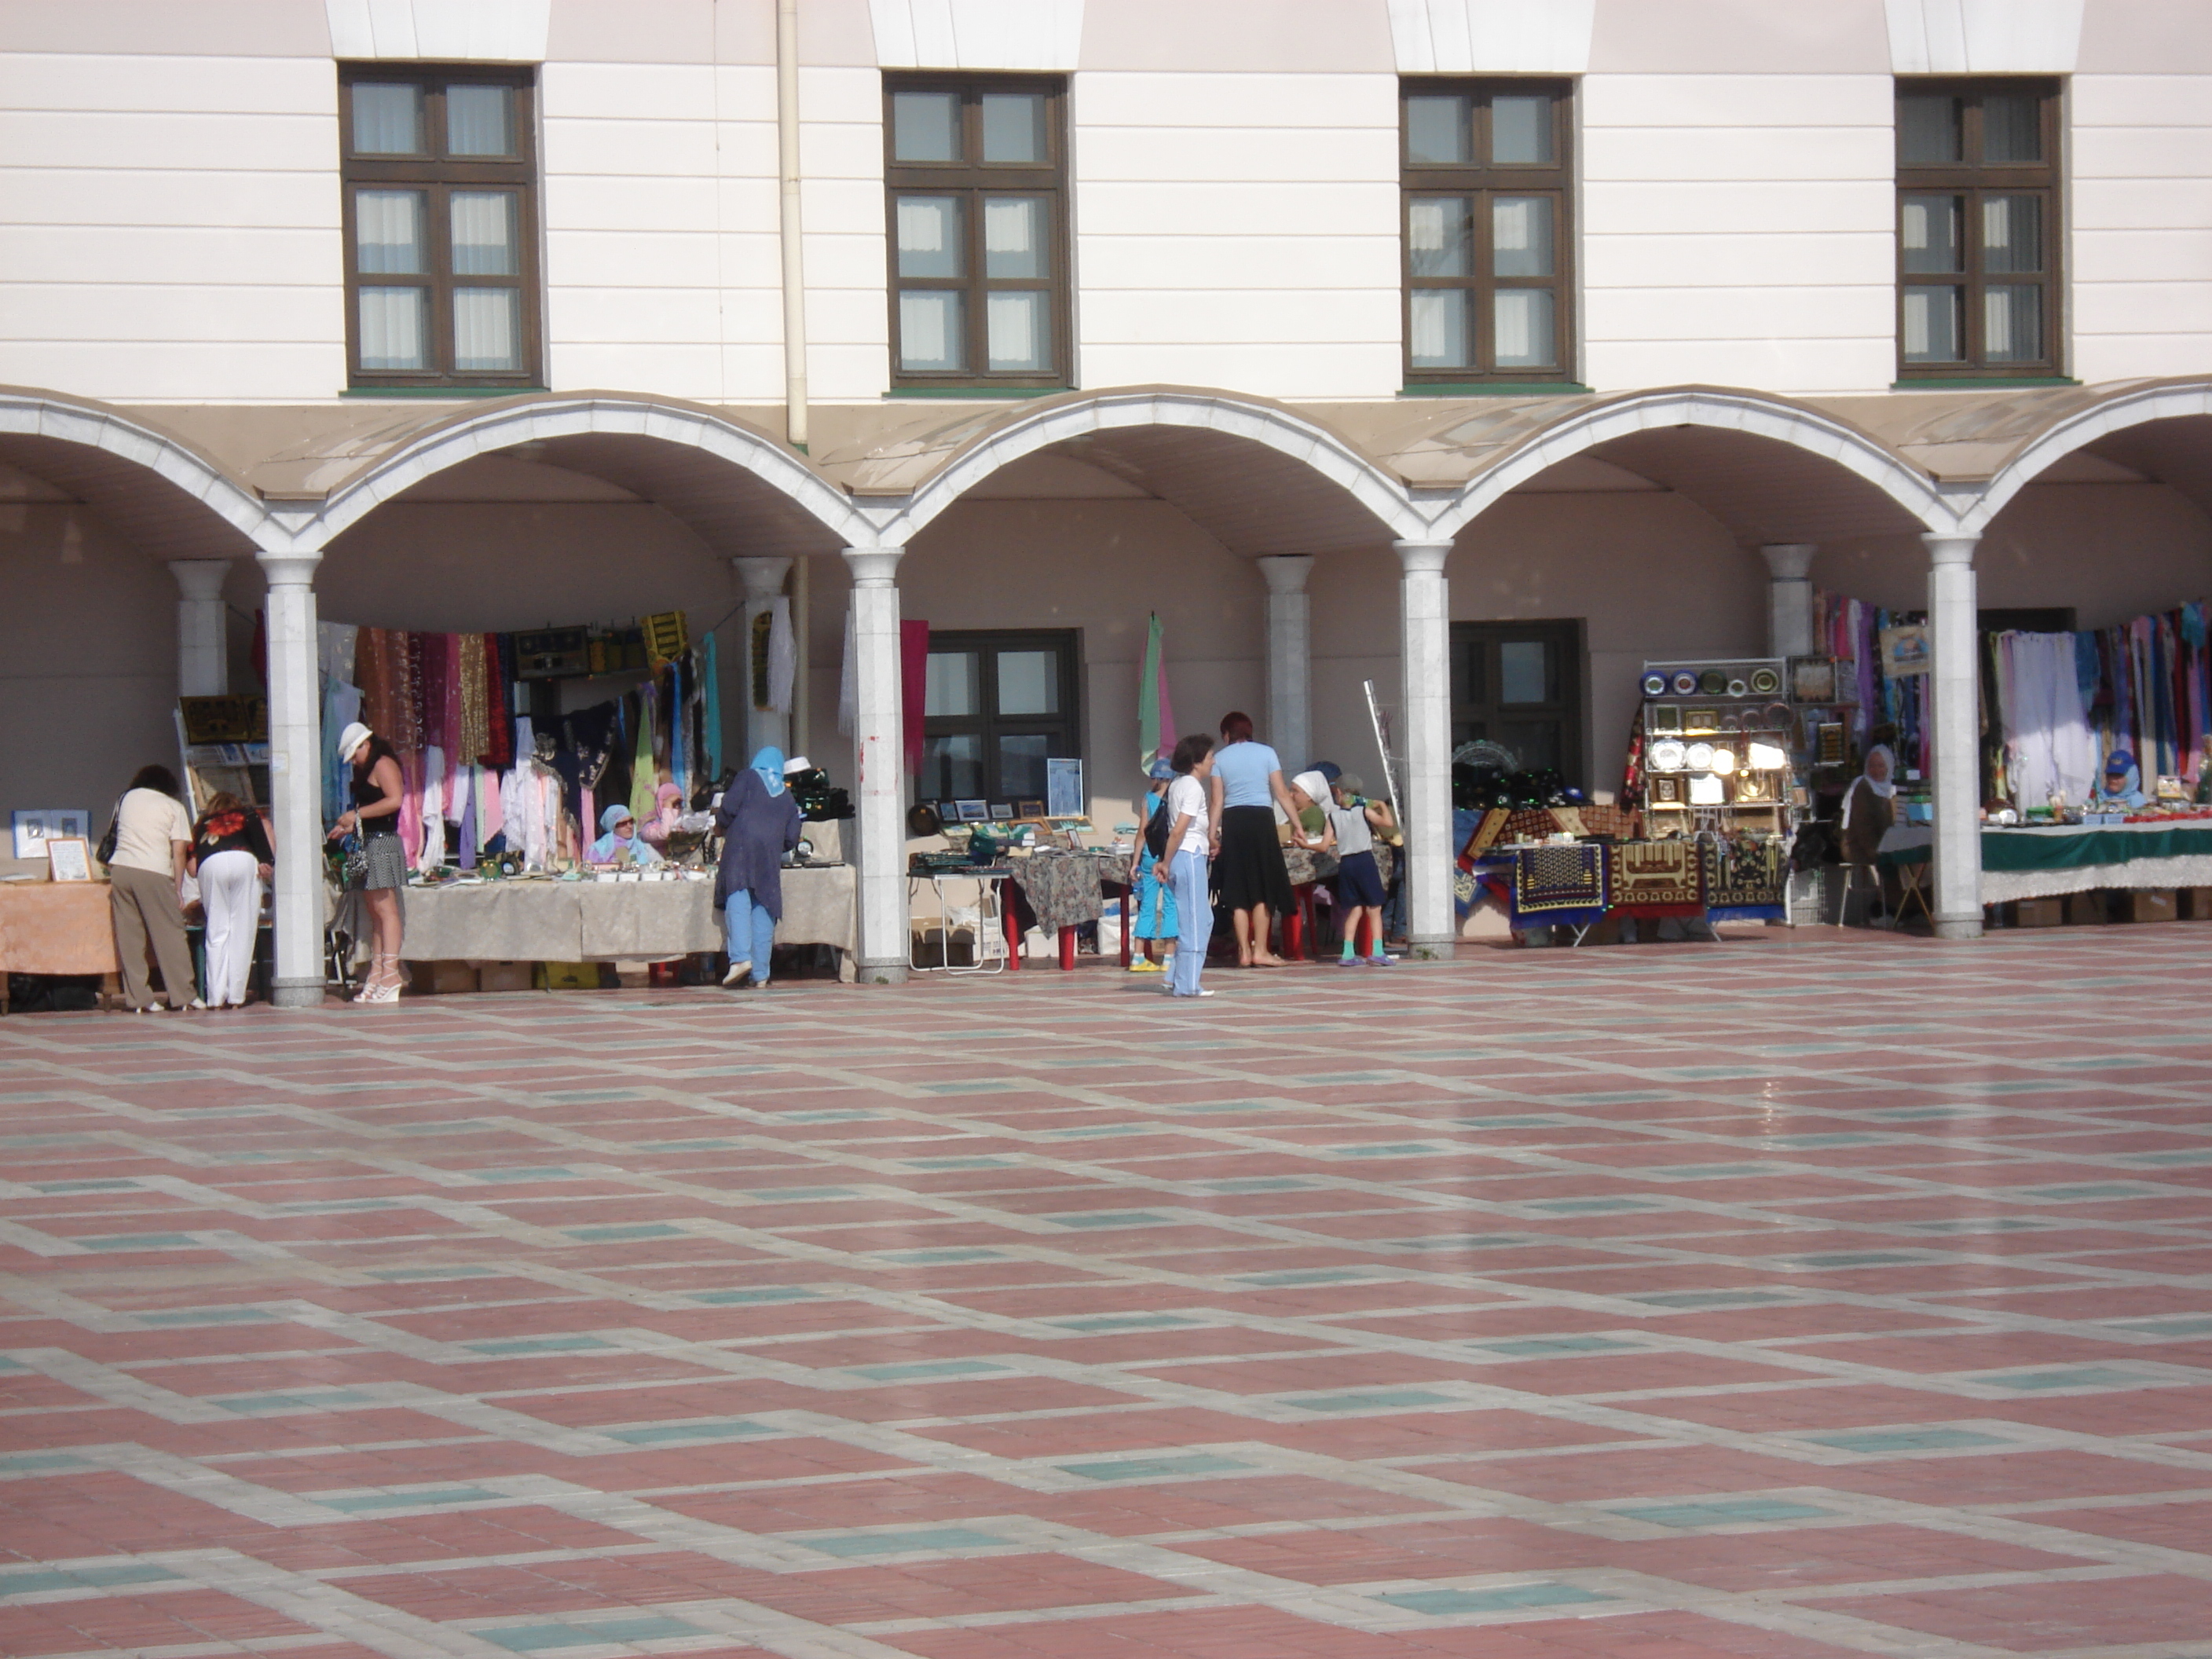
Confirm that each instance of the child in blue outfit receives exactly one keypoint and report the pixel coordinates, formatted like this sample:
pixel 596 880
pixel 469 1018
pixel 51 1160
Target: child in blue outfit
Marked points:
pixel 1153 920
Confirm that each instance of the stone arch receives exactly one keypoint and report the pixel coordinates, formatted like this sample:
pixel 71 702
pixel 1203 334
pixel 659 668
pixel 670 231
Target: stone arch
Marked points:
pixel 1759 415
pixel 2138 405
pixel 1252 419
pixel 504 425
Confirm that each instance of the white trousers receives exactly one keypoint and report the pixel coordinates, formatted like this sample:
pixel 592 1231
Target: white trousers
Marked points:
pixel 230 894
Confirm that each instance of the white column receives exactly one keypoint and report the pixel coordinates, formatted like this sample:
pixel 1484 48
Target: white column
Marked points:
pixel 764 580
pixel 203 632
pixel 878 786
pixel 1290 658
pixel 295 777
pixel 1956 694
pixel 1789 598
pixel 1425 667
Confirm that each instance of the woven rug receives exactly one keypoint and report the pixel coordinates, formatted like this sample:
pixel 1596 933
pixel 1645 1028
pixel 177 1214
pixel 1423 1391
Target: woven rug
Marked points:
pixel 1656 873
pixel 1491 827
pixel 1748 874
pixel 1548 878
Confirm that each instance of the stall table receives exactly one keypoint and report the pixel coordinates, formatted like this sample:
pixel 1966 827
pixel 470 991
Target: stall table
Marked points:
pixel 55 927
pixel 2043 861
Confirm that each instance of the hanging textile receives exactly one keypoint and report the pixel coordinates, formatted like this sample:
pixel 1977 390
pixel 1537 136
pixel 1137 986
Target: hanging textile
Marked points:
pixel 642 777
pixel 710 708
pixel 783 655
pixel 2048 747
pixel 432 809
pixel 679 708
pixel 341 708
pixel 335 645
pixel 474 737
pixel 1151 733
pixel 415 711
pixel 499 680
pixel 914 688
pixel 410 805
pixel 465 829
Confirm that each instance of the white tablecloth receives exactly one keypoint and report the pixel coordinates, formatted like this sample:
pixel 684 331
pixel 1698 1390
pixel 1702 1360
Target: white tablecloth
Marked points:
pixel 2001 886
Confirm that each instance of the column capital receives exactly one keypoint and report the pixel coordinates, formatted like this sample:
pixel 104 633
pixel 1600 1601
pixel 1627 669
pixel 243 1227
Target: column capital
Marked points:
pixel 1286 573
pixel 1789 561
pixel 762 577
pixel 289 568
pixel 1947 548
pixel 200 579
pixel 1422 558
pixel 874 567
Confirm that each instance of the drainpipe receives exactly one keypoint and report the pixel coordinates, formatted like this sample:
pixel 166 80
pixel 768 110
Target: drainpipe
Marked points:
pixel 794 263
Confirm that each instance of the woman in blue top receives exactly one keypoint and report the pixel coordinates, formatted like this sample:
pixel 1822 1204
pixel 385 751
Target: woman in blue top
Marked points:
pixel 1247 785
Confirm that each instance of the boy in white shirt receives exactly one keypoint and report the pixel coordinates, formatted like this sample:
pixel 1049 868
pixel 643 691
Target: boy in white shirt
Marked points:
pixel 1353 821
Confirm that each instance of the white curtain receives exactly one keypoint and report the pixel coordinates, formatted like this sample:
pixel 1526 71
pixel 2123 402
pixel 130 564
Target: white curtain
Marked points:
pixel 2050 745
pixel 391 327
pixel 487 328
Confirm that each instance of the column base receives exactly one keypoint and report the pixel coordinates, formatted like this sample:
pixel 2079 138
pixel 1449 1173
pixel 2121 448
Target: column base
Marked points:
pixel 880 973
pixel 296 992
pixel 1958 928
pixel 1432 950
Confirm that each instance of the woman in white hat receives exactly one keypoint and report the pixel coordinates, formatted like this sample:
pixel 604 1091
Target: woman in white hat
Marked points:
pixel 378 789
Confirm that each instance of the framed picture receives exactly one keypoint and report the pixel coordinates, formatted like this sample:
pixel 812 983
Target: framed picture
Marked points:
pixel 1666 792
pixel 1701 719
pixel 974 811
pixel 1905 650
pixel 1029 809
pixel 34 826
pixel 1001 811
pixel 1812 679
pixel 68 858
pixel 1666 718
pixel 1063 788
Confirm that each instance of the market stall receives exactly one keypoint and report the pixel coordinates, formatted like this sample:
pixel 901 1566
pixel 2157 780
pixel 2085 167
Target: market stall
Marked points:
pixel 54 927
pixel 2045 860
pixel 1579 884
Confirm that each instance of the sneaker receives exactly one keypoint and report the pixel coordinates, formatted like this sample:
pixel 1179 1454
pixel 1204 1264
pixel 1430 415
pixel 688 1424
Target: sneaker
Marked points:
pixel 1378 960
pixel 1347 962
pixel 1139 965
pixel 738 974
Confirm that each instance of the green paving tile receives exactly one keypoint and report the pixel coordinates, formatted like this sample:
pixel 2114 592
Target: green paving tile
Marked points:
pixel 622 1235
pixel 611 1632
pixel 1725 1512
pixel 1531 1347
pixel 940 1257
pixel 929 1368
pixel 740 1298
pixel 2086 1376
pixel 1511 1598
pixel 1155 1469
pixel 675 1433
pixel 140 1242
pixel 522 1345
pixel 125 1572
pixel 369 1503
pixel 1875 1440
pixel 934 1540
pixel 1384 1401
pixel 1125 1323
pixel 1109 1218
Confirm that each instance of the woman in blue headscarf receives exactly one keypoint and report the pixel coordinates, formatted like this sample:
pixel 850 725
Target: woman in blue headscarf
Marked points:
pixel 759 823
pixel 2121 789
pixel 622 844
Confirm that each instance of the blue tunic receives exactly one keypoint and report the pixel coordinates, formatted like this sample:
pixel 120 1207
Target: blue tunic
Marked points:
pixel 757 829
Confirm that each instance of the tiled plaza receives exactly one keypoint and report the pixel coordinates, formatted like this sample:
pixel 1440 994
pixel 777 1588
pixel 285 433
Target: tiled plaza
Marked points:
pixel 1800 1294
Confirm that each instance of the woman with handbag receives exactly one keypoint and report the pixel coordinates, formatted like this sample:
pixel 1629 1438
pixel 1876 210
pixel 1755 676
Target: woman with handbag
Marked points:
pixel 378 787
pixel 145 852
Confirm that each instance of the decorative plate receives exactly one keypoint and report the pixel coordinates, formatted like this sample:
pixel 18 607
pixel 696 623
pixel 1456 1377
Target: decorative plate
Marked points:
pixel 1712 682
pixel 1776 717
pixel 1764 682
pixel 1738 688
pixel 1685 684
pixel 1700 757
pixel 1765 757
pixel 1731 722
pixel 1654 685
pixel 1667 755
pixel 1723 761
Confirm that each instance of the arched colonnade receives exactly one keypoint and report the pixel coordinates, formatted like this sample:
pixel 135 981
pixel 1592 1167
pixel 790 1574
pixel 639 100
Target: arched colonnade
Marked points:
pixel 1427 485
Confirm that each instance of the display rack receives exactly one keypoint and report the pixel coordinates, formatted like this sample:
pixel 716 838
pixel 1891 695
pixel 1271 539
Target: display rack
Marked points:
pixel 1717 735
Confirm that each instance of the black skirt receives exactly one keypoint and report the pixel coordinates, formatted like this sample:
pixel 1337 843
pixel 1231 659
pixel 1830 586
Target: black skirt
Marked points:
pixel 1250 870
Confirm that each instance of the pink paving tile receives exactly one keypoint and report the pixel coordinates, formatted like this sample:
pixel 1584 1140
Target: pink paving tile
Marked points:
pixel 2045 1618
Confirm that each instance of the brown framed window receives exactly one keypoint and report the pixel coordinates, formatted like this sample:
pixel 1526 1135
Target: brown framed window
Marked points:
pixel 1977 229
pixel 441 181
pixel 975 171
pixel 1488 231
pixel 1000 705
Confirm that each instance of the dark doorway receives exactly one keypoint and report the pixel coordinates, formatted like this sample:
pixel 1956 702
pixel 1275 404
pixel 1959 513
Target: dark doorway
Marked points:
pixel 1520 684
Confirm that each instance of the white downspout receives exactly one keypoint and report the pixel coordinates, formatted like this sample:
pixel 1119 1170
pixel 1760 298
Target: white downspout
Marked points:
pixel 795 260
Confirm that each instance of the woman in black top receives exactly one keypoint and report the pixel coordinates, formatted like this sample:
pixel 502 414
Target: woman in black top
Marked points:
pixel 378 787
pixel 231 857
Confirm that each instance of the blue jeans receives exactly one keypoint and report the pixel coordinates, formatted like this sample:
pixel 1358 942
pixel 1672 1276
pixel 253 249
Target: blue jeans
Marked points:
pixel 1193 920
pixel 751 931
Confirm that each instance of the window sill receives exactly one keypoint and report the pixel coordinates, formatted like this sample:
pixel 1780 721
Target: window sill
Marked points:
pixel 1982 382
pixel 977 390
pixel 1498 389
pixel 439 391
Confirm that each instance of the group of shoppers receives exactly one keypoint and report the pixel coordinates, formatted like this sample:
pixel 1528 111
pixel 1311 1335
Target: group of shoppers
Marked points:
pixel 159 848
pixel 1220 807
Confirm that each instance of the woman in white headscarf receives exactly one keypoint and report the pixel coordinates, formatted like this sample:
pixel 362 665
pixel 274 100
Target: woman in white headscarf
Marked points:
pixel 1868 810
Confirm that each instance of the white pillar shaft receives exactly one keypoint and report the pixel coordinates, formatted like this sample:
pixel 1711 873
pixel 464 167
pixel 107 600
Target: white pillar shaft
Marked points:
pixel 1425 666
pixel 203 630
pixel 763 580
pixel 878 787
pixel 295 782
pixel 1955 691
pixel 1790 598
pixel 1290 658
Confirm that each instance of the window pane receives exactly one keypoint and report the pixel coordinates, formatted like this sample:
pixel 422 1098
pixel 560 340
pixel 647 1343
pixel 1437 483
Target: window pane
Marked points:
pixel 1019 328
pixel 2011 233
pixel 952 683
pixel 2011 323
pixel 1524 671
pixel 2011 130
pixel 1021 767
pixel 480 120
pixel 483 233
pixel 1029 683
pixel 1929 230
pixel 1932 319
pixel 929 237
pixel 387 231
pixel 393 328
pixel 1927 128
pixel 1438 130
pixel 1521 129
pixel 952 768
pixel 930 329
pixel 1440 331
pixel 1536 742
pixel 487 328
pixel 387 119
pixel 1013 127
pixel 1521 235
pixel 1524 329
pixel 1436 236
pixel 1014 236
pixel 925 126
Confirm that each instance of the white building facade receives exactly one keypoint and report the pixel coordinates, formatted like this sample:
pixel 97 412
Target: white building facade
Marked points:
pixel 1344 335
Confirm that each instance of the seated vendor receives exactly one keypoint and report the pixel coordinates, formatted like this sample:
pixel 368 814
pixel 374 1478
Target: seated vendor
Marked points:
pixel 2121 787
pixel 620 844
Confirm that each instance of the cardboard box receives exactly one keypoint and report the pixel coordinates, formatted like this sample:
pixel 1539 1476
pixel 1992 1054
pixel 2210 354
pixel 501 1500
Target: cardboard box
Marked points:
pixel 506 975
pixel 2090 909
pixel 439 979
pixel 2196 904
pixel 2039 913
pixel 2149 904
pixel 568 976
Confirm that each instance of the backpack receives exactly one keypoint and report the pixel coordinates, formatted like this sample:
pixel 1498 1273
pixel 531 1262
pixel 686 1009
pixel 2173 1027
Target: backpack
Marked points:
pixel 1155 831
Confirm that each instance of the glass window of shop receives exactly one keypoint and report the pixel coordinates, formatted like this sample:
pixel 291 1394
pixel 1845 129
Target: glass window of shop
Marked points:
pixel 998 705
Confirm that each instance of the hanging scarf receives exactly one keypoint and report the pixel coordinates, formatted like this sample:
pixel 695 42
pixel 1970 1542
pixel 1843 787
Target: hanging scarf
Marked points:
pixel 710 715
pixel 641 777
